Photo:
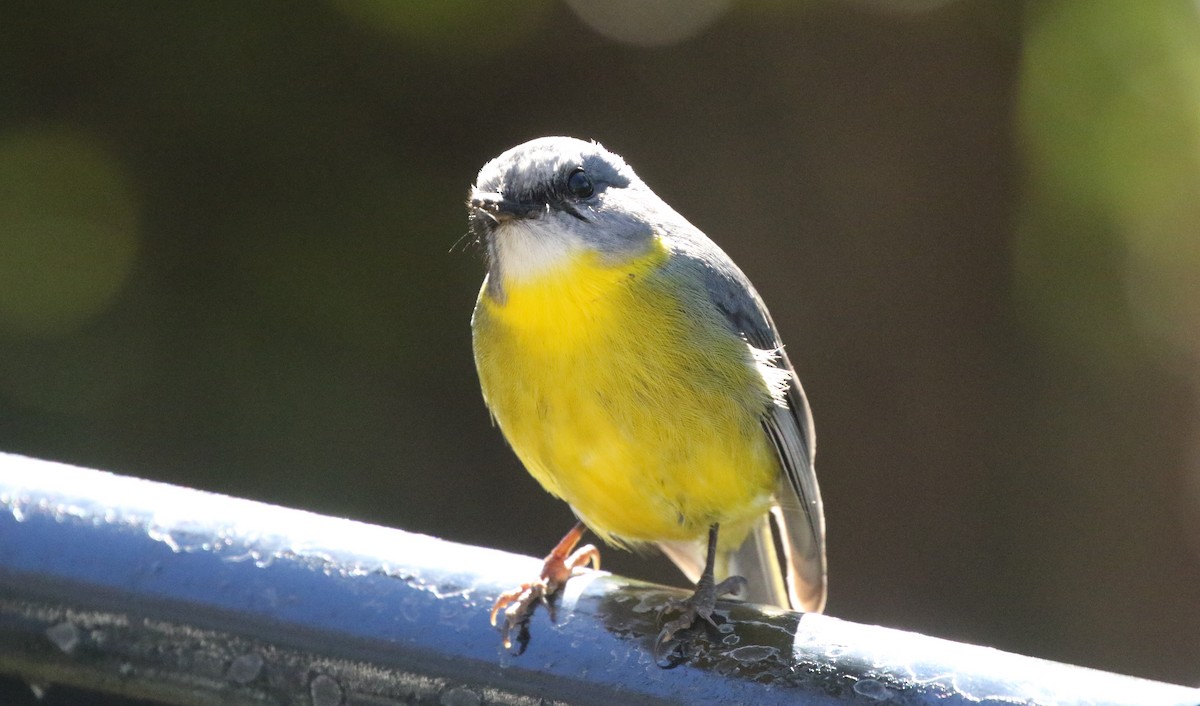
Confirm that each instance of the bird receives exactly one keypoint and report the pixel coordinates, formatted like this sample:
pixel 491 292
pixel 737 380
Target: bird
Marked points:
pixel 638 376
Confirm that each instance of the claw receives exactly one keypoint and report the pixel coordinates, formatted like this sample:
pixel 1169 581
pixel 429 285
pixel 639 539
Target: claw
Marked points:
pixel 560 566
pixel 698 606
pixel 518 606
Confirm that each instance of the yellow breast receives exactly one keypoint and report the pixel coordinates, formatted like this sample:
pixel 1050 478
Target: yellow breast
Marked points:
pixel 624 393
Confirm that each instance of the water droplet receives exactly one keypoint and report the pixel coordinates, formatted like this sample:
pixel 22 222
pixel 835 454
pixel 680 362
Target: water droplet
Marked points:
pixel 271 596
pixel 245 668
pixel 730 640
pixel 39 689
pixel 410 612
pixel 753 653
pixel 647 604
pixel 325 691
pixel 872 689
pixel 459 696
pixel 65 635
pixel 159 534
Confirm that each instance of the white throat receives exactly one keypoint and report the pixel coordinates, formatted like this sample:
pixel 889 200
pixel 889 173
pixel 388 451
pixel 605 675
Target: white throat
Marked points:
pixel 532 248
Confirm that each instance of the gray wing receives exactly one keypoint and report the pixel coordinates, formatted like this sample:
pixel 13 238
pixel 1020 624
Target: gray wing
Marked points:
pixel 799 516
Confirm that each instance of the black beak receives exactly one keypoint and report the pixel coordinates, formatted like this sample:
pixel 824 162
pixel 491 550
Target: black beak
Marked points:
pixel 499 209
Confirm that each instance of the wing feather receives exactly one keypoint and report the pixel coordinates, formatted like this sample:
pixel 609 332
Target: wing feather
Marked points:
pixel 798 516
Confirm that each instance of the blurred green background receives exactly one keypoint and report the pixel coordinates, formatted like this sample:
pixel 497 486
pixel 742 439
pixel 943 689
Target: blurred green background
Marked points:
pixel 232 257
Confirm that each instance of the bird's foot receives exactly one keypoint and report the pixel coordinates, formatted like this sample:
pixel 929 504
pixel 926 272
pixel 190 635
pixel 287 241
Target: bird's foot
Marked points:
pixel 518 605
pixel 699 606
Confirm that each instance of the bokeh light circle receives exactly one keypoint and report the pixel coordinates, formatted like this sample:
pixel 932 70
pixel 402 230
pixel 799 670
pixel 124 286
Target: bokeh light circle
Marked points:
pixel 68 230
pixel 649 24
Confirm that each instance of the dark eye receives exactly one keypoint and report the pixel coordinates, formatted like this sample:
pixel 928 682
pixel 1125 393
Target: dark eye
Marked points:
pixel 580 184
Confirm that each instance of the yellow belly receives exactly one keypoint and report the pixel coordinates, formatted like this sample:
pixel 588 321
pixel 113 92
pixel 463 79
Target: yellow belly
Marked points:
pixel 623 401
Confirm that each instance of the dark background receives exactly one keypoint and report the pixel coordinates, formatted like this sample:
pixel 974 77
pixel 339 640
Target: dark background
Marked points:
pixel 232 257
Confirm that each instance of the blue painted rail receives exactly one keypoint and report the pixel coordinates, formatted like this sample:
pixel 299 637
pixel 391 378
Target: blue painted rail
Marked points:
pixel 116 585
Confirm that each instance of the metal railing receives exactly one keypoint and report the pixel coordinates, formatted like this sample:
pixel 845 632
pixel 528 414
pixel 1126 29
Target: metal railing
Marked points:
pixel 124 586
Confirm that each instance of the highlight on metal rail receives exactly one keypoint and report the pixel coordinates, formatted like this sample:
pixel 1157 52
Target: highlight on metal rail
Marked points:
pixel 139 592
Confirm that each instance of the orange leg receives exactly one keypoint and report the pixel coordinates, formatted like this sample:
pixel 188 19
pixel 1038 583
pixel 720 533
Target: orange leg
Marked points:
pixel 563 562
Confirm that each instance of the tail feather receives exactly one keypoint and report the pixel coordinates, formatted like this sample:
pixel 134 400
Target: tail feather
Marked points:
pixel 758 561
pixel 804 560
pixel 792 581
pixel 687 556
